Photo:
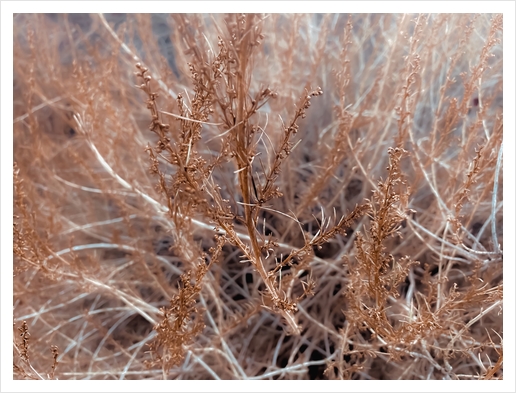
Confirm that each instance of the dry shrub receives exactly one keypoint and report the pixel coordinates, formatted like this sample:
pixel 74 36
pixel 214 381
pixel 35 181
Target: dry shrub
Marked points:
pixel 258 196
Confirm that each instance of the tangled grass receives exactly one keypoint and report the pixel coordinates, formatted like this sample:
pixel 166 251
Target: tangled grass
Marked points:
pixel 258 196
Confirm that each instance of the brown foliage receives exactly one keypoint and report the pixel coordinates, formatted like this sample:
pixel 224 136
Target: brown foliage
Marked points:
pixel 189 204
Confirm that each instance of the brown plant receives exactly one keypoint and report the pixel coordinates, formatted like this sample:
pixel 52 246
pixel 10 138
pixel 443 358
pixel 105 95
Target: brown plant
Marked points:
pixel 190 205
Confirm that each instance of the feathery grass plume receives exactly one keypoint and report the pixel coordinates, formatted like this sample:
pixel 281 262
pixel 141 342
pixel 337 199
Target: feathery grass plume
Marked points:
pixel 190 205
pixel 22 367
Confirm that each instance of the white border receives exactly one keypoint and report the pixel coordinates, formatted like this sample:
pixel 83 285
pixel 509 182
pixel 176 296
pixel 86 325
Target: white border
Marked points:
pixel 260 6
pixel 6 12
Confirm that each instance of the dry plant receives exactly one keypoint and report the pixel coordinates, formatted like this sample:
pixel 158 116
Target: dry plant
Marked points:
pixel 258 196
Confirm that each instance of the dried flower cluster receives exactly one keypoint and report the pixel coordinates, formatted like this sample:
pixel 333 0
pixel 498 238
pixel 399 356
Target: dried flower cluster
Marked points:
pixel 190 205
